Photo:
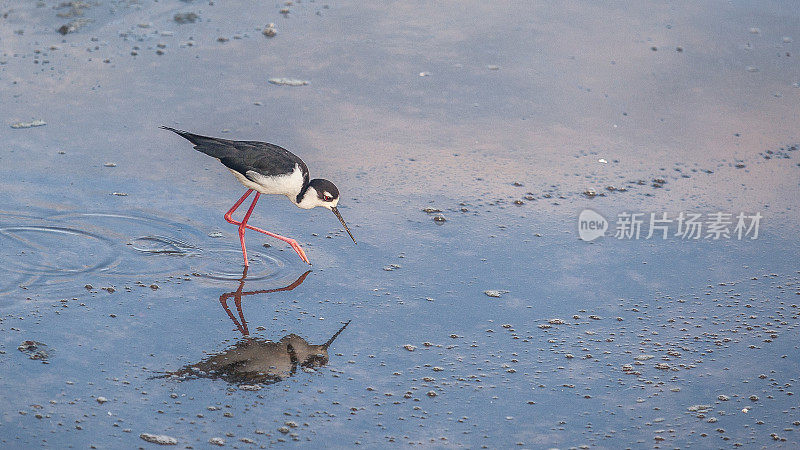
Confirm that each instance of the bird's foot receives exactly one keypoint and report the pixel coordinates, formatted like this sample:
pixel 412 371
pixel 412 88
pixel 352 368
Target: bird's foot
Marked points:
pixel 299 250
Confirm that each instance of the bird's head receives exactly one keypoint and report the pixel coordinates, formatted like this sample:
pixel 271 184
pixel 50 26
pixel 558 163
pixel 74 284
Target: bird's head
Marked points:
pixel 323 193
pixel 320 193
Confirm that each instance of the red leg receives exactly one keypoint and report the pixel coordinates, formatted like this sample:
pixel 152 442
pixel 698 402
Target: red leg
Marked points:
pixel 230 211
pixel 289 241
pixel 229 218
pixel 243 226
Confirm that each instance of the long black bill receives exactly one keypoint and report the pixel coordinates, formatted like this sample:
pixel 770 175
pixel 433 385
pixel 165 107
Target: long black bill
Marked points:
pixel 336 211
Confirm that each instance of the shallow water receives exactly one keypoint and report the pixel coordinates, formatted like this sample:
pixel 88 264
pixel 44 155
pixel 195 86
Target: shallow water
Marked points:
pixel 119 267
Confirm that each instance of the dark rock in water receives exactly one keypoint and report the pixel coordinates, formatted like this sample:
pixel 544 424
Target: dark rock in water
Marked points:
pixel 35 350
pixel 73 26
pixel 182 18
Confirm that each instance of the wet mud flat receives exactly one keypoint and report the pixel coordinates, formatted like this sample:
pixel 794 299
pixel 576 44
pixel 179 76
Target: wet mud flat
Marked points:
pixel 466 142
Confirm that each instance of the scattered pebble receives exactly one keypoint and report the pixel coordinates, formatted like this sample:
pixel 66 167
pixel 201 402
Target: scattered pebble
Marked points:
pixel 31 124
pixel 160 439
pixel 288 82
pixel 270 30
pixel 699 408
pixel 35 350
pixel 182 18
pixel 73 26
pixel 495 293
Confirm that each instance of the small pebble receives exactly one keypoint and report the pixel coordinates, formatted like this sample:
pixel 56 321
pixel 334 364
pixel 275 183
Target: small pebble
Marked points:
pixel 270 30
pixel 160 439
pixel 495 293
pixel 31 124
pixel 288 82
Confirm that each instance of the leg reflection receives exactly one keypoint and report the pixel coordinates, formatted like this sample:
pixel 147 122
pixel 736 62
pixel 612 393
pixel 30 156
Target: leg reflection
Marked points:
pixel 241 323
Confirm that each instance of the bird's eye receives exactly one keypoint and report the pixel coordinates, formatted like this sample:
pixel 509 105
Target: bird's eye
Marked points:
pixel 328 198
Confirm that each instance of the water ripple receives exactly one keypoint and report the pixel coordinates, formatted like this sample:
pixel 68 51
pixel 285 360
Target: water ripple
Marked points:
pixel 54 249
pixel 163 245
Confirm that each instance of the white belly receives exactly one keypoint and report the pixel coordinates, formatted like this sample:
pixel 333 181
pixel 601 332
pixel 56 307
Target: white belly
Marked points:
pixel 289 185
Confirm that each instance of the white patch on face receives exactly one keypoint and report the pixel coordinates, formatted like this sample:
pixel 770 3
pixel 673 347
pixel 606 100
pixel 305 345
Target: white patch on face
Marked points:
pixel 312 200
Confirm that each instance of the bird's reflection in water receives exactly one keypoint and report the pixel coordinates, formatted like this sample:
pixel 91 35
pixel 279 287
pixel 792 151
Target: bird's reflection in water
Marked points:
pixel 255 360
pixel 237 295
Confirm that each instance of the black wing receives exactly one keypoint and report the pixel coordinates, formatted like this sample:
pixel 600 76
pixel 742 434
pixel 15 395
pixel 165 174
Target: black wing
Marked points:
pixel 245 156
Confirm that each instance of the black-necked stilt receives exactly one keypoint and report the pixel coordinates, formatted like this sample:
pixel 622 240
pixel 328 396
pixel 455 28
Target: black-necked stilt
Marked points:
pixel 268 169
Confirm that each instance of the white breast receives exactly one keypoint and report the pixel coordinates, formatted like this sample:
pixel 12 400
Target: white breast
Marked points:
pixel 289 184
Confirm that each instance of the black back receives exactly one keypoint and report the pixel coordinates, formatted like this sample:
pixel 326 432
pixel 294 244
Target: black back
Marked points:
pixel 243 156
